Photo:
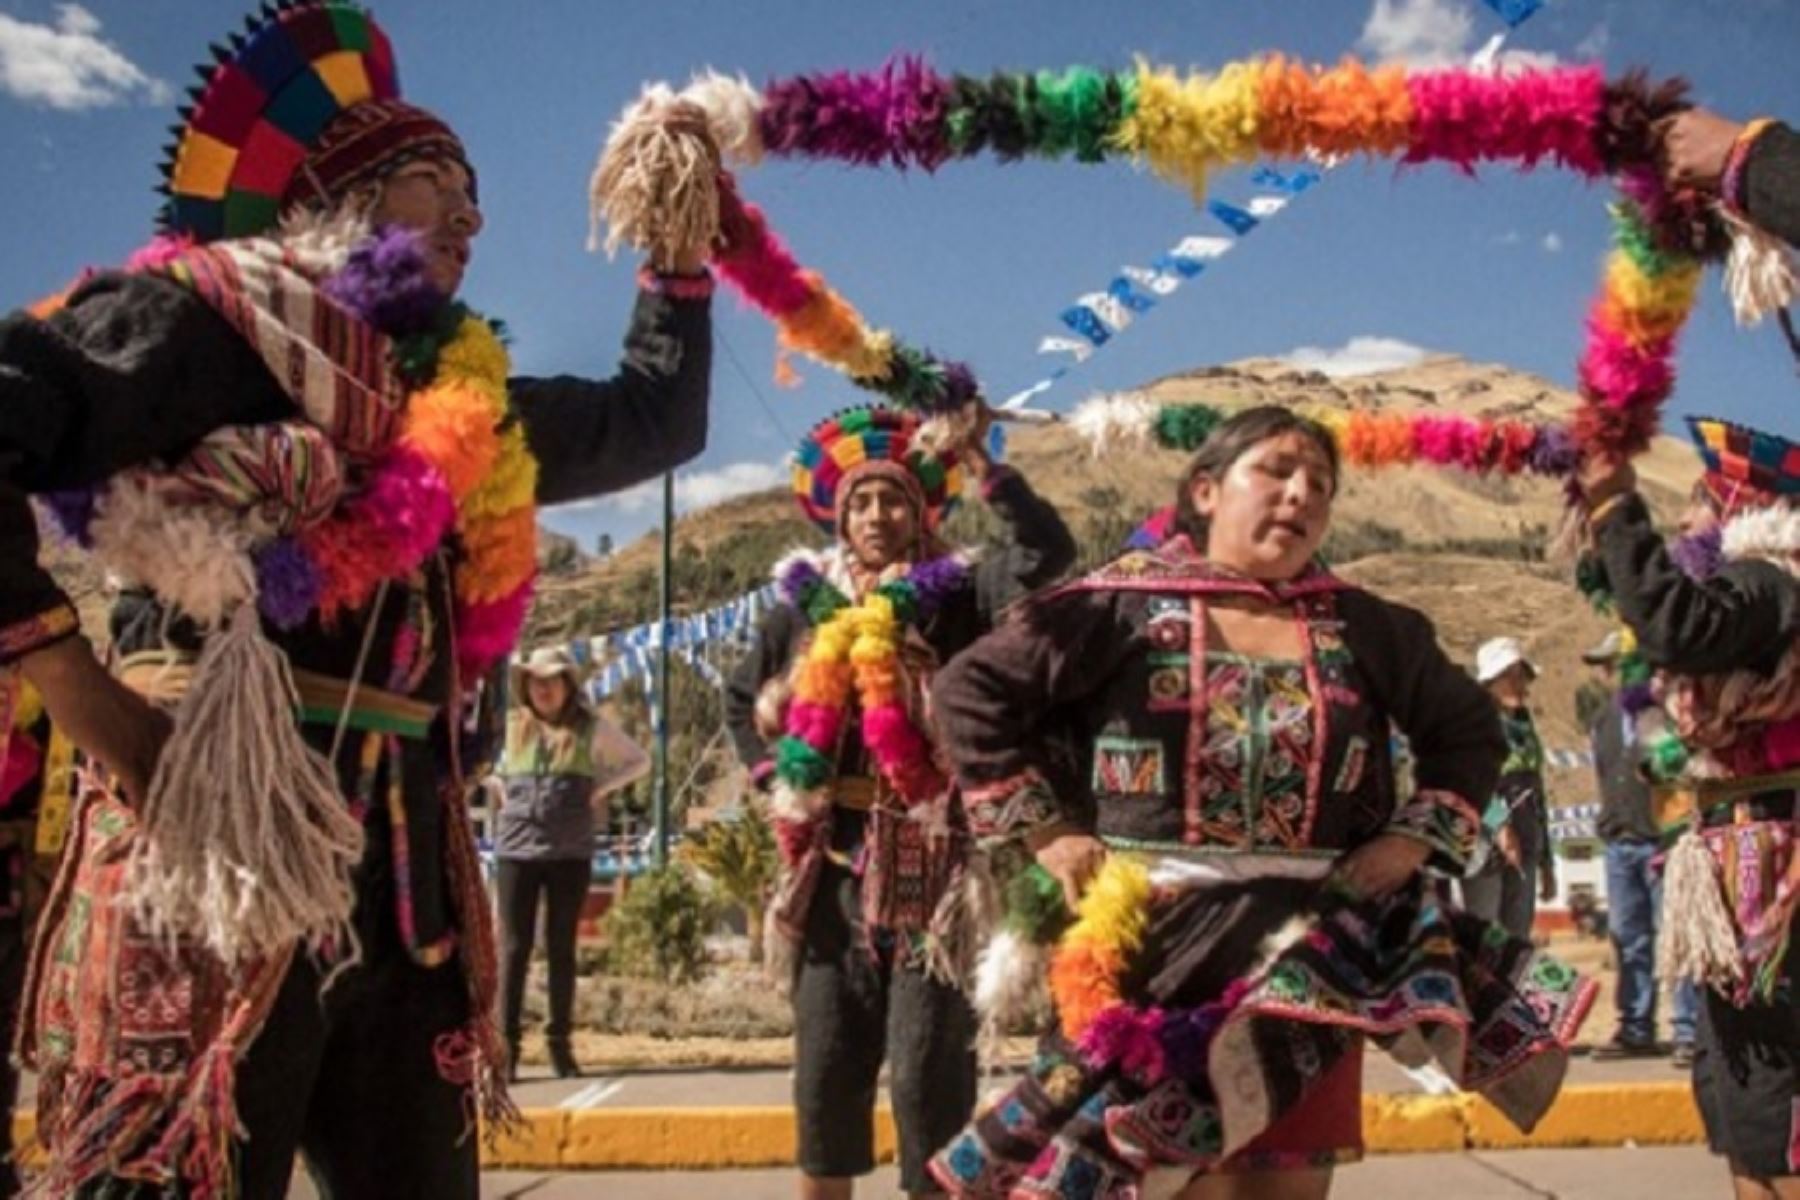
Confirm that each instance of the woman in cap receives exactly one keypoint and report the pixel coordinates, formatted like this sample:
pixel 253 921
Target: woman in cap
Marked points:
pixel 1520 869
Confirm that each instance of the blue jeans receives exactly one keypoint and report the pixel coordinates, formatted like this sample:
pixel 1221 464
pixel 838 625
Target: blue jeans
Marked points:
pixel 1634 904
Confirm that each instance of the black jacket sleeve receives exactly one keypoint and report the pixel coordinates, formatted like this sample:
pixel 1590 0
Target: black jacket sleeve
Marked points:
pixel 1743 617
pixel 1040 551
pixel 768 659
pixel 999 705
pixel 1772 183
pixel 1450 721
pixel 134 368
pixel 596 436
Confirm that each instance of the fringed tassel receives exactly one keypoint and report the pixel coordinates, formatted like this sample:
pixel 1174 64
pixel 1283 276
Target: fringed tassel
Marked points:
pixel 1697 941
pixel 245 845
pixel 1759 271
pixel 654 188
pixel 476 1057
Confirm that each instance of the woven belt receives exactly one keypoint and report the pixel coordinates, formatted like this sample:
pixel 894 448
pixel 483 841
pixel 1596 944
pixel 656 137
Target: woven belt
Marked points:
pixel 164 675
pixel 1729 801
pixel 854 791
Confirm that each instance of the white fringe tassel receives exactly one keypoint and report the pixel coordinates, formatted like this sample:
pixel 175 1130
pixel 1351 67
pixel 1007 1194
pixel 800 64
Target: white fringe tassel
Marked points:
pixel 1697 940
pixel 1122 419
pixel 1759 271
pixel 245 845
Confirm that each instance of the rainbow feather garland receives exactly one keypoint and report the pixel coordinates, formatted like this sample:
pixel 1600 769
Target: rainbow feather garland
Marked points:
pixel 1185 127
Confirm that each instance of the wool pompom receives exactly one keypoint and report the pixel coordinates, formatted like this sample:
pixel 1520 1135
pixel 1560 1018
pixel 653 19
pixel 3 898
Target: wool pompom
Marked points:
pixel 287 583
pixel 1009 979
pixel 487 633
pixel 192 556
pixel 732 106
pixel 1771 533
pixel 386 282
pixel 655 188
pixel 1128 1039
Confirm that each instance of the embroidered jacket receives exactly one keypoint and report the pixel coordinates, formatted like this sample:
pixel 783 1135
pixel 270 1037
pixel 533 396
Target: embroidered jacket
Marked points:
pixel 1176 745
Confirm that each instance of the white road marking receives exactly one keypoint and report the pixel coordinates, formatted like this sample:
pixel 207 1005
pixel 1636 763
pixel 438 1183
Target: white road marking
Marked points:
pixel 594 1094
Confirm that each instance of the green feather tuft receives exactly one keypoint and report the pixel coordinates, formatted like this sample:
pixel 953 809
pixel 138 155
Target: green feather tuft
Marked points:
pixel 1185 426
pixel 798 764
pixel 1035 909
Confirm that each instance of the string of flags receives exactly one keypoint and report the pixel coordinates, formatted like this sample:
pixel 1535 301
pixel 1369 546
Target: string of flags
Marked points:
pixel 633 653
pixel 1097 317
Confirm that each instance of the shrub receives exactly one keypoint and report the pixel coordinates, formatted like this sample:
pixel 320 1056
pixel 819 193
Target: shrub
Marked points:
pixel 658 931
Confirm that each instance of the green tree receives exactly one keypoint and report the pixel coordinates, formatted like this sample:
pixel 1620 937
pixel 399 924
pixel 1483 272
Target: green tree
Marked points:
pixel 738 858
pixel 658 931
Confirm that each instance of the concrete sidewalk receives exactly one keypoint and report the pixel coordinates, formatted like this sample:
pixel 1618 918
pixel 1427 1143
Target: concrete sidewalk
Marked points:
pixel 1687 1173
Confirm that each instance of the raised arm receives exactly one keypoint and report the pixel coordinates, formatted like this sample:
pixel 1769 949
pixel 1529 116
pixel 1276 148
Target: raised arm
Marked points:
pixel 596 436
pixel 1743 617
pixel 1040 548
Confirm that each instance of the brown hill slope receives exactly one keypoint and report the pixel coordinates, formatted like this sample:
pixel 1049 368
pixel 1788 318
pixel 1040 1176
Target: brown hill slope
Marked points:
pixel 1458 547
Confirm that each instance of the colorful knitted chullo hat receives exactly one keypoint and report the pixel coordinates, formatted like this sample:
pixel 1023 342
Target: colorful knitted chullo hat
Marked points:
pixel 301 107
pixel 1745 468
pixel 846 448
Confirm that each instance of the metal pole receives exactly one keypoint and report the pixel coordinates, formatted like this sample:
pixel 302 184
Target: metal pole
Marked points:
pixel 661 707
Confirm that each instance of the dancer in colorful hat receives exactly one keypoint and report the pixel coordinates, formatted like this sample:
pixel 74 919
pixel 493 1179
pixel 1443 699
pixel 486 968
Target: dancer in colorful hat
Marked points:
pixel 310 466
pixel 829 712
pixel 1719 728
pixel 1247 883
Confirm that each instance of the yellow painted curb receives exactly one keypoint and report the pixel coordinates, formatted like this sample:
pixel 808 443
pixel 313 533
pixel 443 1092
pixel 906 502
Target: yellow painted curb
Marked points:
pixel 1415 1124
pixel 1597 1115
pixel 695 1139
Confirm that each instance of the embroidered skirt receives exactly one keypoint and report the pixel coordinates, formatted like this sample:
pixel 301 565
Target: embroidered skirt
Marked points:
pixel 1245 1006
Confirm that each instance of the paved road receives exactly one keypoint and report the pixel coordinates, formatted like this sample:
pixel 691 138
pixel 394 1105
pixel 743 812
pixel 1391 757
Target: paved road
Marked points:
pixel 1669 1173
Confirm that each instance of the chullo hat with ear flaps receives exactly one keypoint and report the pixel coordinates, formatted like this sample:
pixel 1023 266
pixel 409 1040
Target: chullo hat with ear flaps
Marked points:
pixel 844 449
pixel 300 108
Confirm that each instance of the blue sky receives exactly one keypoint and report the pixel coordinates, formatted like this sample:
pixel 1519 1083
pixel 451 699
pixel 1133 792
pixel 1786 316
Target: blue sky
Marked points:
pixel 974 261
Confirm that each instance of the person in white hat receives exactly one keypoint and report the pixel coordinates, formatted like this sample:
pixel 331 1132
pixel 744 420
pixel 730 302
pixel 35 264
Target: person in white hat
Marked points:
pixel 561 761
pixel 1509 884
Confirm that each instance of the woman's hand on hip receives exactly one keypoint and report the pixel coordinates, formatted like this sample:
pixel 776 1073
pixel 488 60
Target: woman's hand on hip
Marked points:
pixel 1072 857
pixel 1382 865
pixel 102 717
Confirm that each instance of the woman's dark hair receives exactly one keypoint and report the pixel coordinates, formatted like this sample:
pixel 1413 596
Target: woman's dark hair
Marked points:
pixel 1230 441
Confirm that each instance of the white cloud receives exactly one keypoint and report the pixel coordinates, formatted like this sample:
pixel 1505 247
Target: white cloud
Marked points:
pixel 1436 33
pixel 1511 237
pixel 1552 242
pixel 1421 33
pixel 693 489
pixel 1595 43
pixel 68 65
pixel 1358 356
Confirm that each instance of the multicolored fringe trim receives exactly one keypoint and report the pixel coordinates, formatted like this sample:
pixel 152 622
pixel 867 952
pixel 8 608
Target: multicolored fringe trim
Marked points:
pixel 1184 127
pixel 856 647
pixel 1364 439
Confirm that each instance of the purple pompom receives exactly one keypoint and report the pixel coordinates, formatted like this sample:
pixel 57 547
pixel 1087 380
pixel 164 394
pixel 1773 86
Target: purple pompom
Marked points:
pixel 1555 452
pixel 1635 698
pixel 960 387
pixel 385 282
pixel 1700 555
pixel 936 581
pixel 287 583
pixel 797 579
pixel 73 512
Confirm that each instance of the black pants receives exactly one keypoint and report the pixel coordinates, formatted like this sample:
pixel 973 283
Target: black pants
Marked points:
pixel 1747 1077
pixel 852 1008
pixel 563 884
